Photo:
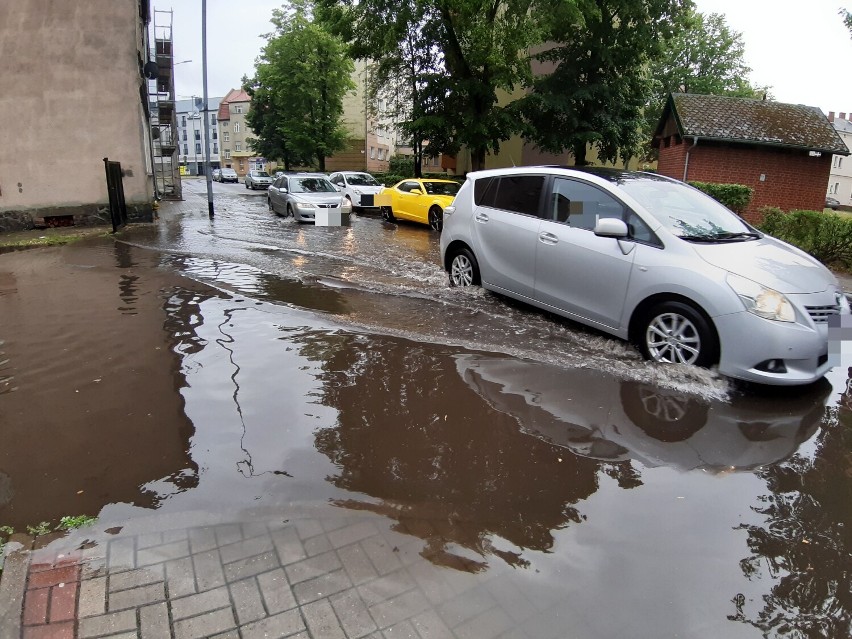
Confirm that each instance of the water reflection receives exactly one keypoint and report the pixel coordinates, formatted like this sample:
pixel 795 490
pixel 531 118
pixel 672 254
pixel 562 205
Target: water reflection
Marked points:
pixel 599 416
pixel 805 544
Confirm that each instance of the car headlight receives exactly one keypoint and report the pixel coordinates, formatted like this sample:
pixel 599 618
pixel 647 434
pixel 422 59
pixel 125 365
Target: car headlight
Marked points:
pixel 356 191
pixel 762 301
pixel 305 205
pixel 346 206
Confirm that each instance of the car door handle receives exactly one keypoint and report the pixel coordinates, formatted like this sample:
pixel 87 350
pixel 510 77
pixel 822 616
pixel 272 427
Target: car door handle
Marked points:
pixel 548 238
pixel 480 217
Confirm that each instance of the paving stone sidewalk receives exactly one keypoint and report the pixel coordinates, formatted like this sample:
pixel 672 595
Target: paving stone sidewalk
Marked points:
pixel 338 578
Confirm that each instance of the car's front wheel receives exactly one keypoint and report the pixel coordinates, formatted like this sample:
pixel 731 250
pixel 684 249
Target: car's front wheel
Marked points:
pixel 436 219
pixel 677 333
pixel 464 269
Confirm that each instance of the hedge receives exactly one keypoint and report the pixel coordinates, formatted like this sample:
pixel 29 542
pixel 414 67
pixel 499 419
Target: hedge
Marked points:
pixel 826 236
pixel 735 196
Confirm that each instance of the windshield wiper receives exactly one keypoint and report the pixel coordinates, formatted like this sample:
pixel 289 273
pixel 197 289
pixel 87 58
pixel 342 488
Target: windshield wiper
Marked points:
pixel 721 237
pixel 738 236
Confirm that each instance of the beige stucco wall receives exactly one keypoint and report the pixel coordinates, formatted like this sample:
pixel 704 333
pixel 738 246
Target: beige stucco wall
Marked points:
pixel 69 96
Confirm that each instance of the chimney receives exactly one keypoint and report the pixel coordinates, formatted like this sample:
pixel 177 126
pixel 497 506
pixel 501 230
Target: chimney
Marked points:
pixel 831 116
pixel 842 115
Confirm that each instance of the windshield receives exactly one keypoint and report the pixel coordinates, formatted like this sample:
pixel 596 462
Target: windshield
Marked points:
pixel 686 212
pixel 361 179
pixel 442 188
pixel 311 185
pixel 260 174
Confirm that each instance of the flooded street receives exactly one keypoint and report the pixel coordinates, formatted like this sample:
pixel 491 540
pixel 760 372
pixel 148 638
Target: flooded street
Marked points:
pixel 248 368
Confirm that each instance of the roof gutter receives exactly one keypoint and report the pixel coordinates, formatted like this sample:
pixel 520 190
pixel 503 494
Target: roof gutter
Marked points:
pixel 686 163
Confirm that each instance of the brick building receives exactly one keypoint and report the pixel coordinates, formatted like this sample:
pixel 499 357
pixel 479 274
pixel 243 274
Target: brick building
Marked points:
pixel 782 151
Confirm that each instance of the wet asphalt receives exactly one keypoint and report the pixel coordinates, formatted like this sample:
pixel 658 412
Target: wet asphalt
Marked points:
pixel 249 365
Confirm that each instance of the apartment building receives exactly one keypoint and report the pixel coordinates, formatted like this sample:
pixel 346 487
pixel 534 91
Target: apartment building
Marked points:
pixel 190 127
pixel 234 134
pixel 840 178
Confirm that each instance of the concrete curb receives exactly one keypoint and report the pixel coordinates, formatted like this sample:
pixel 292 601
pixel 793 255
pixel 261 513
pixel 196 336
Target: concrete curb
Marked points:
pixel 13 584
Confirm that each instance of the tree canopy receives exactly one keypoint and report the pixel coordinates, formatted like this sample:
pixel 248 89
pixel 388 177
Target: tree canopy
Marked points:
pixel 297 91
pixel 592 83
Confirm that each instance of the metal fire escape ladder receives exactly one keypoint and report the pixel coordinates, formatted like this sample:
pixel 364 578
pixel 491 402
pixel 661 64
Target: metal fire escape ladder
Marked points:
pixel 161 96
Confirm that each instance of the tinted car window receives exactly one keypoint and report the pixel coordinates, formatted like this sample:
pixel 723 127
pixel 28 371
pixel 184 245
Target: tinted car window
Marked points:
pixel 441 188
pixel 479 189
pixel 518 193
pixel 362 179
pixel 407 186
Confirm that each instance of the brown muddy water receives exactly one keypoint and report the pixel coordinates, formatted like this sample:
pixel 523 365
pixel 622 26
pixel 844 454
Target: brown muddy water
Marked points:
pixel 148 375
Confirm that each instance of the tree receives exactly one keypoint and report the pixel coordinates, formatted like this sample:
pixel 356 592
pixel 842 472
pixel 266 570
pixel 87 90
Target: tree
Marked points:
pixel 702 55
pixel 847 19
pixel 451 58
pixel 297 91
pixel 592 83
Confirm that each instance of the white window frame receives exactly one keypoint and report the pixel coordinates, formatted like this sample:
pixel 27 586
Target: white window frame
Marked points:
pixel 227 154
pixel 226 137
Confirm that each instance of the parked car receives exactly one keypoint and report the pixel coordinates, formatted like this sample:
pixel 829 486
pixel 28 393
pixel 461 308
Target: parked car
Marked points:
pixel 300 196
pixel 647 259
pixel 258 180
pixel 360 188
pixel 228 175
pixel 418 200
pixel 217 175
pixel 831 203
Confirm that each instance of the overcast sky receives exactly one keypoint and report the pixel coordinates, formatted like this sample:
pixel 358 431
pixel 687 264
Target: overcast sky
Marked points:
pixel 800 49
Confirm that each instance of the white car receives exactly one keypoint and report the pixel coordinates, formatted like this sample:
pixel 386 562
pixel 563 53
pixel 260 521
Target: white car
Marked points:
pixel 358 187
pixel 651 260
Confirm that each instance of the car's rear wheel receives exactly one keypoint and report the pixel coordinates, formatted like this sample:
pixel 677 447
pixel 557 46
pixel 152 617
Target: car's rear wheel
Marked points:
pixel 247 186
pixel 677 333
pixel 464 269
pixel 436 219
pixel 387 214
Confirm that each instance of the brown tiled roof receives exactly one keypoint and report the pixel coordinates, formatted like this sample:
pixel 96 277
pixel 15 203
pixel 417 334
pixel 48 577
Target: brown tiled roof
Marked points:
pixel 234 95
pixel 762 122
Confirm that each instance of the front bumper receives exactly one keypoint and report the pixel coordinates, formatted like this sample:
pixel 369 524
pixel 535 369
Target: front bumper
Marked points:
pixel 748 342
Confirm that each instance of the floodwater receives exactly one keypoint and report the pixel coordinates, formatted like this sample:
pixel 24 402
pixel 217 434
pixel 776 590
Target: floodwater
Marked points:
pixel 249 365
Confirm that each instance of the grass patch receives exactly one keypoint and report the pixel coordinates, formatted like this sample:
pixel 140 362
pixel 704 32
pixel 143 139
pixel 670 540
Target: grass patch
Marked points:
pixel 50 237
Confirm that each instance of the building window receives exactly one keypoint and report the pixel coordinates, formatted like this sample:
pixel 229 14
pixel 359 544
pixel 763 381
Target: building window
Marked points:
pixel 183 120
pixel 224 124
pixel 227 154
pixel 186 149
pixel 836 188
pixel 839 161
pixel 215 135
pixel 215 149
pixel 226 137
pixel 213 119
pixel 184 135
pixel 238 146
pixel 372 153
pixel 197 135
pixel 238 109
pixel 197 148
pixel 236 127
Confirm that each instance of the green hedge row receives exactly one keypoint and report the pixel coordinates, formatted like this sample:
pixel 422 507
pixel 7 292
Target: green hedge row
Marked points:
pixel 389 179
pixel 735 196
pixel 826 236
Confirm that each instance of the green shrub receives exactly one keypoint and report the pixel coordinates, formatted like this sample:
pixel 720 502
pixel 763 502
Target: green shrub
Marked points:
pixel 826 236
pixel 735 196
pixel 389 179
pixel 401 165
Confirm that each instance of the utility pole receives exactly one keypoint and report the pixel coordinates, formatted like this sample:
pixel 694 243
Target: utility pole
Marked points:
pixel 207 172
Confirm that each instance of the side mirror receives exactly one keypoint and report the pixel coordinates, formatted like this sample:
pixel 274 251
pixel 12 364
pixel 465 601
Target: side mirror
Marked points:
pixel 611 227
pixel 283 189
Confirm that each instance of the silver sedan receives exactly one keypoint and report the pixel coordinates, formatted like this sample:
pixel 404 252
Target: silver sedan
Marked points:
pixel 302 195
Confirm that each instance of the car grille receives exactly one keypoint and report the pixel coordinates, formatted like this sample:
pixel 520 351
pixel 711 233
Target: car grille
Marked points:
pixel 820 314
pixel 327 206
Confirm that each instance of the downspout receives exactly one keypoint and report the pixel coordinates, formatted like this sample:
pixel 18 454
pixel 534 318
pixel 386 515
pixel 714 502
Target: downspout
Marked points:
pixel 686 164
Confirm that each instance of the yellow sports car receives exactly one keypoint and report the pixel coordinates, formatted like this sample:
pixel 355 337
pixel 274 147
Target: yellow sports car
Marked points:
pixel 418 200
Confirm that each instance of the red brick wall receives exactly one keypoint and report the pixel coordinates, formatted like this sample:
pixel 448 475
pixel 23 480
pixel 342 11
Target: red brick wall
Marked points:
pixel 793 179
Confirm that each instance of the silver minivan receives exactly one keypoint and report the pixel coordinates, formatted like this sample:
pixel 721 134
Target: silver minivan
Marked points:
pixel 647 259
